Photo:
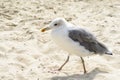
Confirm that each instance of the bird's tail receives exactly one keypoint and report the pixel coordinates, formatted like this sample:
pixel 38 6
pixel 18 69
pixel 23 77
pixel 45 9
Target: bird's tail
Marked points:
pixel 104 49
pixel 109 53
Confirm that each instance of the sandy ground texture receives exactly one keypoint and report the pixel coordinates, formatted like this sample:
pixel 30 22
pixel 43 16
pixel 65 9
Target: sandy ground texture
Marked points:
pixel 28 54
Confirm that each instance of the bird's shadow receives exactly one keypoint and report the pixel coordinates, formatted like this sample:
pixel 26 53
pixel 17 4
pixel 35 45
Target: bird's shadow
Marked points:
pixel 88 76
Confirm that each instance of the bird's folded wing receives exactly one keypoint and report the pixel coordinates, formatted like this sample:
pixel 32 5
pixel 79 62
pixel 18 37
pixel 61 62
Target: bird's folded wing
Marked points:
pixel 87 40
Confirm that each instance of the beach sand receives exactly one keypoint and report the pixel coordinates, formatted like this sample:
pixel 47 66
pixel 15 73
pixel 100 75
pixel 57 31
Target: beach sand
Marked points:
pixel 28 54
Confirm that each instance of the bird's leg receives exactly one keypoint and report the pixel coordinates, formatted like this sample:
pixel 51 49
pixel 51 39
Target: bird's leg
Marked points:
pixel 64 63
pixel 83 63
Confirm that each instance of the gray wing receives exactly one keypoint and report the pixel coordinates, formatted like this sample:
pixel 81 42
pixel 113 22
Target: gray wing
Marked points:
pixel 88 41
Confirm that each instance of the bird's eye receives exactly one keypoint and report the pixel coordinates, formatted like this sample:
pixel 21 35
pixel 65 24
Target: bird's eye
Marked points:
pixel 55 24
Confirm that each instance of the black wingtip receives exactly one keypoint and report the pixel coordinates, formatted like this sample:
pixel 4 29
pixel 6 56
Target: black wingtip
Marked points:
pixel 110 54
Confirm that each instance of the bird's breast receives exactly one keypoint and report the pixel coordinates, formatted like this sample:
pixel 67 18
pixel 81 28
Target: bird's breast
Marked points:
pixel 59 36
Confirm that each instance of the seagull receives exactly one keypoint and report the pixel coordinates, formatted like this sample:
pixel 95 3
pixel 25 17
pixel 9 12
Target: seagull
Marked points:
pixel 75 40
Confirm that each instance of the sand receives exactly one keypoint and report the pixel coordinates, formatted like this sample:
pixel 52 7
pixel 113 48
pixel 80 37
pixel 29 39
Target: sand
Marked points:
pixel 28 54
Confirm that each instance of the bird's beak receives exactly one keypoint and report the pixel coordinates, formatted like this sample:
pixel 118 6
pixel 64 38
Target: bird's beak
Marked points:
pixel 45 29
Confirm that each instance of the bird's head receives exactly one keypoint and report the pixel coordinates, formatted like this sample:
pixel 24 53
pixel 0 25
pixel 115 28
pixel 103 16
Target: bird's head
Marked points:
pixel 56 23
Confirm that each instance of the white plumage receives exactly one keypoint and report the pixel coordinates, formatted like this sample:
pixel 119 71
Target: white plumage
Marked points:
pixel 61 38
